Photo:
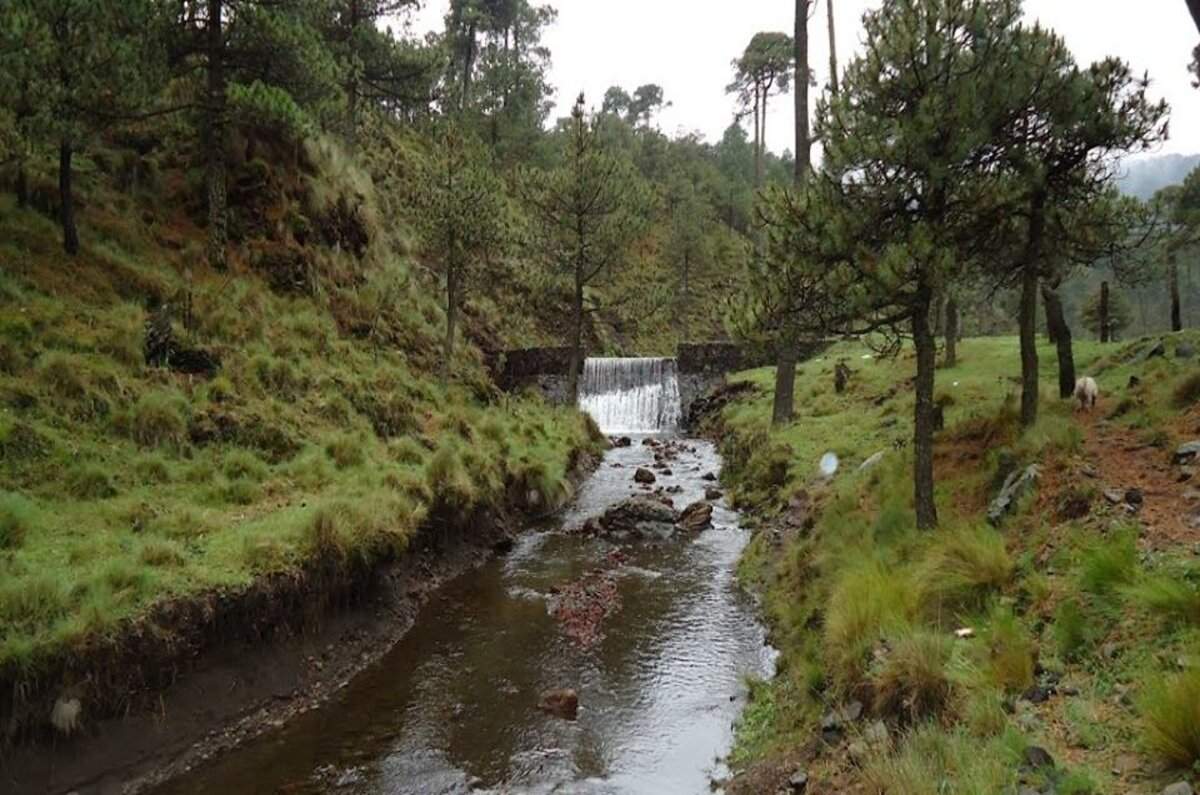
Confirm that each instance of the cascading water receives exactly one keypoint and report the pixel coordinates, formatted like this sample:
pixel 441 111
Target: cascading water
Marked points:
pixel 631 395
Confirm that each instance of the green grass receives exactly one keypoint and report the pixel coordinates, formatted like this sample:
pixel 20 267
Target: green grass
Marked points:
pixel 1170 710
pixel 862 605
pixel 123 485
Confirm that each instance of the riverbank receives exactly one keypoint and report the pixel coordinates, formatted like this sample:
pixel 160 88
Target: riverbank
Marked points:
pixel 194 463
pixel 1055 651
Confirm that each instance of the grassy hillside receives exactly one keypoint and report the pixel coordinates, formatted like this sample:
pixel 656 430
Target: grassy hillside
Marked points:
pixel 325 434
pixel 1083 619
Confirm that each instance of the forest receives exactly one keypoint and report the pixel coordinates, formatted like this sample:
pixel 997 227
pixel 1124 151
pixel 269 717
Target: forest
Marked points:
pixel 263 262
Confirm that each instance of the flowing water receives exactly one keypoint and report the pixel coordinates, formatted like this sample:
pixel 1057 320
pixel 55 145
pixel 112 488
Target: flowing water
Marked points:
pixel 631 395
pixel 453 708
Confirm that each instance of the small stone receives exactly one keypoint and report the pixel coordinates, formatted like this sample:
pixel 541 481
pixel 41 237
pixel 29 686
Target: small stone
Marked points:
pixel 623 441
pixel 798 782
pixel 709 476
pixel 1038 695
pixel 712 493
pixel 1089 471
pixel 1179 788
pixel 1038 758
pixel 1134 497
pixel 1114 496
pixel 964 633
pixel 562 703
pixel 696 517
pixel 644 476
pixel 852 711
pixel 872 462
pixel 1187 452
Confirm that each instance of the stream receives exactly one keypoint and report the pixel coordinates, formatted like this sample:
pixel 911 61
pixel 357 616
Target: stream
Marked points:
pixel 453 708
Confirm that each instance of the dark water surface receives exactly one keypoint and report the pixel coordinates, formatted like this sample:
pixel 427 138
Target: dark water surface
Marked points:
pixel 453 708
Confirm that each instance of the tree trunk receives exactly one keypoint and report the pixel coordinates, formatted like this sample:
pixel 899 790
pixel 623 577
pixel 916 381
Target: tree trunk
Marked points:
pixel 468 67
pixel 803 135
pixel 1104 335
pixel 785 363
pixel 758 171
pixel 451 319
pixel 1194 7
pixel 1056 321
pixel 1028 311
pixel 924 411
pixel 785 384
pixel 66 199
pixel 22 186
pixel 1029 354
pixel 218 231
pixel 1176 308
pixel 951 331
pixel 576 342
pixel 833 61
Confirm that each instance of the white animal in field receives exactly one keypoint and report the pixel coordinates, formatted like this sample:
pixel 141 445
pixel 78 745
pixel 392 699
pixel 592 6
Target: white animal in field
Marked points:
pixel 1086 392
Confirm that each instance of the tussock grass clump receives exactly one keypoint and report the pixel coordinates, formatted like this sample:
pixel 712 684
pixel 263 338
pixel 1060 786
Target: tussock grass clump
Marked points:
pixel 153 468
pixel 279 377
pixel 1110 564
pixel 90 482
pixel 161 553
pixel 242 491
pixel 159 419
pixel 869 601
pixel 934 761
pixel 1172 599
pixel 1170 711
pixel 449 480
pixel 1073 632
pixel 64 375
pixel 242 464
pixel 346 451
pixel 29 602
pixel 17 519
pixel 963 566
pixel 1186 392
pixel 1011 652
pixel 914 680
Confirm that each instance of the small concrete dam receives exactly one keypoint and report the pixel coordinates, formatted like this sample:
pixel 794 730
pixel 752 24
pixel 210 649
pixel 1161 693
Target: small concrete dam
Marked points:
pixel 633 395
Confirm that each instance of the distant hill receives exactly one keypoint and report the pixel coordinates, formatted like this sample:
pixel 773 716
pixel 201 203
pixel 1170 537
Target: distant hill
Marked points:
pixel 1144 178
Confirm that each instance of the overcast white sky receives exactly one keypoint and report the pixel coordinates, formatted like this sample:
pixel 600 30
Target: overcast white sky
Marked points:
pixel 687 46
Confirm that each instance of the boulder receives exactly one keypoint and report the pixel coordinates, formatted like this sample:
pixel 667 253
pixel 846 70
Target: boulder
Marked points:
pixel 622 441
pixel 1187 452
pixel 798 783
pixel 696 517
pixel 1179 788
pixel 1184 351
pixel 1016 487
pixel 1156 350
pixel 643 475
pixel 713 493
pixel 709 477
pixel 561 703
pixel 639 517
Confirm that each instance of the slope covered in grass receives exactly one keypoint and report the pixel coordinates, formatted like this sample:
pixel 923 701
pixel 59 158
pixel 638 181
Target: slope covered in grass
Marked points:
pixel 1083 634
pixel 326 432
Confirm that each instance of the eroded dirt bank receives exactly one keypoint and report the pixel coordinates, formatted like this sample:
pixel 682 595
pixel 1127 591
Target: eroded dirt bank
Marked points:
pixel 200 677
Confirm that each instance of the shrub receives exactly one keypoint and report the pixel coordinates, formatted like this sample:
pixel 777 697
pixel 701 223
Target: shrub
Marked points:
pixel 346 451
pixel 1187 392
pixel 1110 564
pixel 963 566
pixel 1170 711
pixel 914 682
pixel 159 418
pixel 17 519
pixel 90 482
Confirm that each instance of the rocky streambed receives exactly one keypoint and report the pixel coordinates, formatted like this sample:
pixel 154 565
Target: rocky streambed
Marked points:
pixel 604 654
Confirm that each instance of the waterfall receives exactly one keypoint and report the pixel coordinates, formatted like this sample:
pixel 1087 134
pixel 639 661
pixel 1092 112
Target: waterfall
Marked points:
pixel 631 395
